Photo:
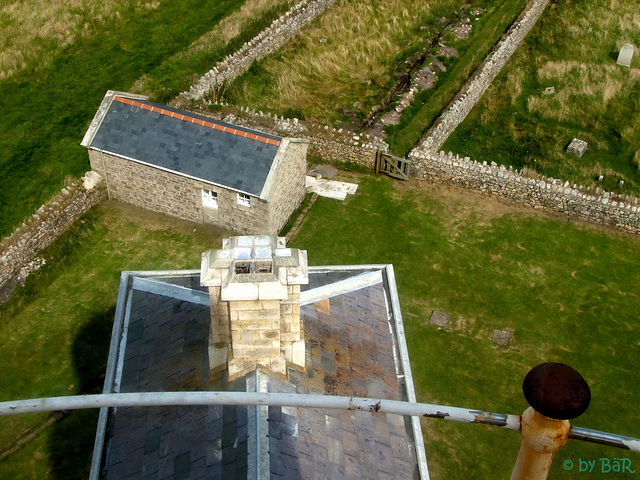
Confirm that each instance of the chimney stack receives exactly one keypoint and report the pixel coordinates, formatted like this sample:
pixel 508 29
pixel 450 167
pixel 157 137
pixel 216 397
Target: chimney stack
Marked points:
pixel 254 289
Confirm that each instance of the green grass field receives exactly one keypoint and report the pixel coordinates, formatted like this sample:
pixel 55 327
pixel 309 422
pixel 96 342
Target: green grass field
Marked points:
pixel 568 292
pixel 336 64
pixel 573 49
pixel 49 102
pixel 54 335
pixel 419 116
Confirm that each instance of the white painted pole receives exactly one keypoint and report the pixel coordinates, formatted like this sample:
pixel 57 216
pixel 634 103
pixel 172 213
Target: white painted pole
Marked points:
pixel 155 399
pixel 158 399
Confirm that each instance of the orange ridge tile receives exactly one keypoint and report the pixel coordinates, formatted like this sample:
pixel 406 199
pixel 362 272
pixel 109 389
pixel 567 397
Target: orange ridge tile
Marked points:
pixel 198 121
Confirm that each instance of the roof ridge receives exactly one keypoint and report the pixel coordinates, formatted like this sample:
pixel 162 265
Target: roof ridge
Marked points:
pixel 190 119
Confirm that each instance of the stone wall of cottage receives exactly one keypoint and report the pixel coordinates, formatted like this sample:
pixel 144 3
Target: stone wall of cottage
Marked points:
pixel 18 251
pixel 178 196
pixel 289 189
pixel 471 93
pixel 596 206
pixel 268 41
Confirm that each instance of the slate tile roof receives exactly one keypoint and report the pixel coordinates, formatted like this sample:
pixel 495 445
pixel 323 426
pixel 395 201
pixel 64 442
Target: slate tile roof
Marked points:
pixel 351 348
pixel 184 143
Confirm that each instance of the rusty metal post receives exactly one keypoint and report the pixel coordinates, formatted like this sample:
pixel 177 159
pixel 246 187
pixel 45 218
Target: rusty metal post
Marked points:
pixel 556 394
pixel 542 437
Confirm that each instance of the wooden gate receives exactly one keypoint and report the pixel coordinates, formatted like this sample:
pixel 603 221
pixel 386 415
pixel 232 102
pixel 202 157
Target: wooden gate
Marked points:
pixel 395 167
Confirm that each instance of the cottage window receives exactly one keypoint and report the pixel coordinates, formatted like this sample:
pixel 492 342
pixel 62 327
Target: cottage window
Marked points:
pixel 244 200
pixel 209 199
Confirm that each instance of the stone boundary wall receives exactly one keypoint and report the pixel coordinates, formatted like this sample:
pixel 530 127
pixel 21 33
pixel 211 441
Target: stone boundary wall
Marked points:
pixel 48 223
pixel 459 109
pixel 335 145
pixel 598 207
pixel 266 42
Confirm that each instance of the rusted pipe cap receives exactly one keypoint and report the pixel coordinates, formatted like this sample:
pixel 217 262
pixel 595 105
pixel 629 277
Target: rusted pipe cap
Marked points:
pixel 556 391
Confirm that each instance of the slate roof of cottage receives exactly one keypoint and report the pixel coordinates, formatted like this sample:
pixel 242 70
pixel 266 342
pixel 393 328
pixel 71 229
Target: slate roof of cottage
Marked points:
pixel 184 143
pixel 353 349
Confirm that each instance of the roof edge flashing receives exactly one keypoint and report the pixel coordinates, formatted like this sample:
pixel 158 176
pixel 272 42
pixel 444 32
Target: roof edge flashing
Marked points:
pixel 102 111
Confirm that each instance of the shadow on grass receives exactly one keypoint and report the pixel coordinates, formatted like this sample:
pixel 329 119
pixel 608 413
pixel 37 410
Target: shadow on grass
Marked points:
pixel 71 439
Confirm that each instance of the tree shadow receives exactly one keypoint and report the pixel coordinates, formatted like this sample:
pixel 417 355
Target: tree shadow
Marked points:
pixel 71 440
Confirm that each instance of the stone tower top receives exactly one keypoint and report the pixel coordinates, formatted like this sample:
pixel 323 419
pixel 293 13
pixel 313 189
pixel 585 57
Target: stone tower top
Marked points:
pixel 254 268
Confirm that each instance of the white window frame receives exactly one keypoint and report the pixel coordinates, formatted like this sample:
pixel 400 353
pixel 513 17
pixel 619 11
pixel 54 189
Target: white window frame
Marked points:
pixel 209 199
pixel 244 200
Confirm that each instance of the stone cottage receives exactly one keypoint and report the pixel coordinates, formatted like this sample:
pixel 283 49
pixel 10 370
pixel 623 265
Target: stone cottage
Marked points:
pixel 257 318
pixel 194 167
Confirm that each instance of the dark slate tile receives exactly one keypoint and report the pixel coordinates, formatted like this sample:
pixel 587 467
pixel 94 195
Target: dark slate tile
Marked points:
pixel 152 440
pixel 328 362
pixel 276 463
pixel 182 466
pixel 179 138
pixel 345 347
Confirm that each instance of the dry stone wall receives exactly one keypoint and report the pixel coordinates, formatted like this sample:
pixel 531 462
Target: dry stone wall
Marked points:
pixel 266 42
pixel 18 251
pixel 335 145
pixel 458 110
pixel 596 207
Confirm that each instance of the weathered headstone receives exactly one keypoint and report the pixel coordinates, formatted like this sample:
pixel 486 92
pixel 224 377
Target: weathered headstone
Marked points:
pixel 577 147
pixel 440 319
pixel 501 337
pixel 626 55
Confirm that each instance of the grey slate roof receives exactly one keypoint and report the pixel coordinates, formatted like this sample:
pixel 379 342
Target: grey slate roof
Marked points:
pixel 352 350
pixel 186 147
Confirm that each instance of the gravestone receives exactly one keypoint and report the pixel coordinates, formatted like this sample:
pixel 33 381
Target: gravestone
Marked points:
pixel 626 55
pixel 577 147
pixel 440 319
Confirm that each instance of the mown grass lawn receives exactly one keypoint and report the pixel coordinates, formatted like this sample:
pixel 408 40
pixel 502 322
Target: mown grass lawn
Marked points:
pixel 574 50
pixel 54 335
pixel 568 293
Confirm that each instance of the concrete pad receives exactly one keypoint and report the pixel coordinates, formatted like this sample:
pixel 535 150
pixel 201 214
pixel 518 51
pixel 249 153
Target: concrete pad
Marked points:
pixel 330 188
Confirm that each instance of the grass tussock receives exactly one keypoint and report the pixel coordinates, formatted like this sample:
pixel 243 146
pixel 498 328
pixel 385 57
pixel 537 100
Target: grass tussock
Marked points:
pixel 34 29
pixel 345 58
pixel 574 50
pixel 600 83
pixel 184 68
